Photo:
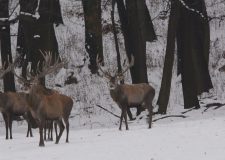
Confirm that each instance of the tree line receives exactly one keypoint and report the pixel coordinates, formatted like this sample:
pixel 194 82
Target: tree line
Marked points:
pixel 188 34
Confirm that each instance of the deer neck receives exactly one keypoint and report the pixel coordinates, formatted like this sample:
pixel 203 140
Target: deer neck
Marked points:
pixel 34 96
pixel 114 92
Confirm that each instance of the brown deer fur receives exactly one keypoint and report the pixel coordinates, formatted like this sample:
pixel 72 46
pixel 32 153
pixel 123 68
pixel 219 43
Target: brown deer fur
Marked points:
pixel 131 95
pixel 126 95
pixel 54 106
pixel 14 104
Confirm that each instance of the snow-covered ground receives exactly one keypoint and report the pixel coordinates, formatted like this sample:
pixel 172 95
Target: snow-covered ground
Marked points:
pixel 199 136
pixel 193 135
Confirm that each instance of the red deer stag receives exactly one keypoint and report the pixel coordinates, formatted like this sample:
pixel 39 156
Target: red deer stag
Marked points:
pixel 12 104
pixel 126 95
pixel 15 104
pixel 45 106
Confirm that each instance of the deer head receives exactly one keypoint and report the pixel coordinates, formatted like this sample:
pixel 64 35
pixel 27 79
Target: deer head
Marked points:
pixel 118 76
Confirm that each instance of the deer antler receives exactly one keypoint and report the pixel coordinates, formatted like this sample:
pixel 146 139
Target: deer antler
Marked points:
pixel 9 68
pixel 47 68
pixel 106 74
pixel 5 70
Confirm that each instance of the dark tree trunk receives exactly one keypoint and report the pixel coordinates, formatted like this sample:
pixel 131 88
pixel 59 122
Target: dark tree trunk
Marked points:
pixel 119 67
pixel 93 31
pixel 5 46
pixel 193 43
pixel 192 34
pixel 169 60
pixel 38 35
pixel 137 41
pixel 137 29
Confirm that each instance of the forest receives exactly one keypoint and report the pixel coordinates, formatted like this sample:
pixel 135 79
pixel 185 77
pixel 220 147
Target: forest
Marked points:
pixel 89 67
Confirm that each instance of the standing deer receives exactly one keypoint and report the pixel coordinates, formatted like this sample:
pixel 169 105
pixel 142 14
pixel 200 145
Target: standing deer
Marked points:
pixel 126 95
pixel 12 104
pixel 15 104
pixel 44 106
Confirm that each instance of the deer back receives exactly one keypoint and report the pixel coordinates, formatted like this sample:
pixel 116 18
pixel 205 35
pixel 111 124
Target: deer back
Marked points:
pixel 17 102
pixel 134 94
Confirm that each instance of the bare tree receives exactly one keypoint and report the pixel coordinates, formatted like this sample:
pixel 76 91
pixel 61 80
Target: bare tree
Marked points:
pixel 5 45
pixel 93 31
pixel 189 26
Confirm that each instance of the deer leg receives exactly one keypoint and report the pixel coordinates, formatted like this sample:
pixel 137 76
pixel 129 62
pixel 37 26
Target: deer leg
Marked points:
pixel 148 105
pixel 150 108
pixel 56 132
pixel 130 114
pixel 31 134
pixel 51 138
pixel 67 131
pixel 5 117
pixel 45 130
pixel 28 125
pixel 125 117
pixel 139 110
pixel 28 129
pixel 60 132
pixel 10 125
pixel 41 126
pixel 49 129
pixel 121 119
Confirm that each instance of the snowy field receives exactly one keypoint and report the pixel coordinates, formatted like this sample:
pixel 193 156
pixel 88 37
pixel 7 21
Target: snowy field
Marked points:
pixel 199 136
pixel 94 135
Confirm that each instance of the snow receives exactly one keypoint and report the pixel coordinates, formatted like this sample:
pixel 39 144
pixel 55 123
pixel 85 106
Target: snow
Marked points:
pixel 200 136
pixel 94 133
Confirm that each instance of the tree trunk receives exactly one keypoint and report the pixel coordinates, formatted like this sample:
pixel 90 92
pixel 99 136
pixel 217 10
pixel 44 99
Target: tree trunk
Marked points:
pixel 5 46
pixel 137 28
pixel 164 93
pixel 93 31
pixel 191 32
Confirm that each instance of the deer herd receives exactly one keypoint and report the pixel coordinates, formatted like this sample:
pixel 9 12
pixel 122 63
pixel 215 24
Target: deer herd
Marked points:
pixel 42 107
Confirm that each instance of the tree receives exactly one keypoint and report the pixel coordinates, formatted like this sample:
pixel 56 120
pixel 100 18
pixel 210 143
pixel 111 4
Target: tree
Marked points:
pixel 5 45
pixel 190 29
pixel 36 33
pixel 6 55
pixel 26 33
pixel 137 28
pixel 93 31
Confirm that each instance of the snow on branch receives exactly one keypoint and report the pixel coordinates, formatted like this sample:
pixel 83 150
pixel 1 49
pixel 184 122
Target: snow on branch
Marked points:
pixel 193 10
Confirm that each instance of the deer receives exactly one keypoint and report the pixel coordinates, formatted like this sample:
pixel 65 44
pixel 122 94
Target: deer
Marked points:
pixel 126 95
pixel 15 104
pixel 45 106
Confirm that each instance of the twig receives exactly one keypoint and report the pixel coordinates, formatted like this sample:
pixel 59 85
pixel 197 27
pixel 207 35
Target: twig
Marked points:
pixel 170 116
pixel 107 111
